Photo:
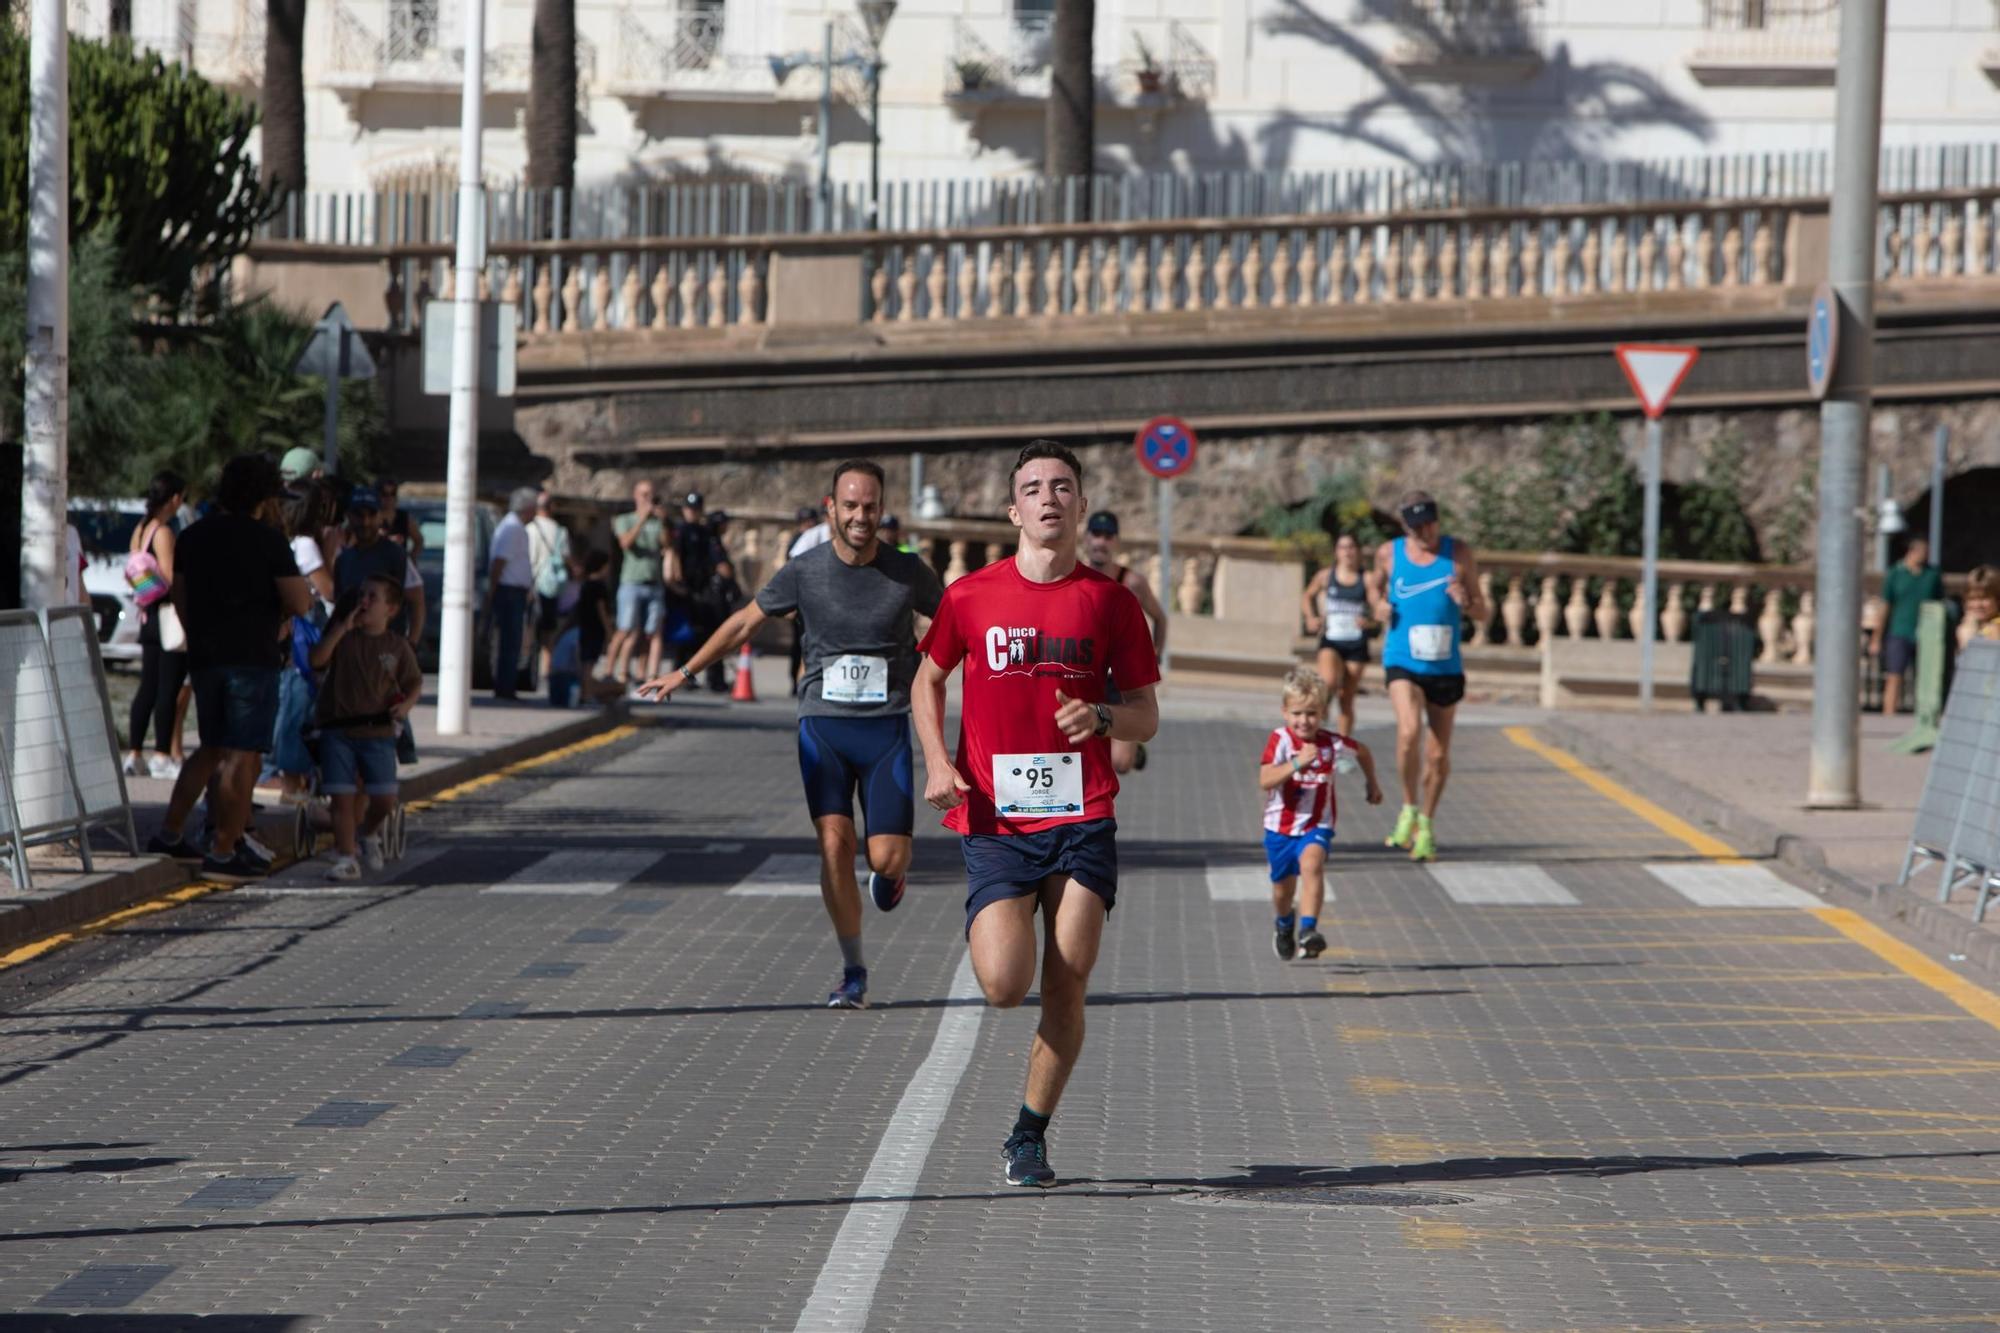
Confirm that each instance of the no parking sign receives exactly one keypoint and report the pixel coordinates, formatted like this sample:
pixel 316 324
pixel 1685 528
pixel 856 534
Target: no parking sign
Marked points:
pixel 1165 447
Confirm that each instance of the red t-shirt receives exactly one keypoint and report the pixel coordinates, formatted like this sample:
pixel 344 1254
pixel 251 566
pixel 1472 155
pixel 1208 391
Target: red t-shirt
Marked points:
pixel 1020 642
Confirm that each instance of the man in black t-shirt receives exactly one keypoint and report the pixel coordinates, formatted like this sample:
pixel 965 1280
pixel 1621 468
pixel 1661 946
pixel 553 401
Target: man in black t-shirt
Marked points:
pixel 235 589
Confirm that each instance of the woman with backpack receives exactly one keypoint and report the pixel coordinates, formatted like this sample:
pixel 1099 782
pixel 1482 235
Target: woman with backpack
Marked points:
pixel 149 571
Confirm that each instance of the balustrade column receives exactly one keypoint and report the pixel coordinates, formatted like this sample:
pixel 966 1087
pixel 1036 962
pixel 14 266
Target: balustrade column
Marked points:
pixel 750 292
pixel 1392 268
pixel 1482 627
pixel 1559 261
pixel 1364 272
pixel 572 299
pixel 1336 269
pixel 1110 278
pixel 1225 274
pixel 1673 614
pixel 1704 256
pixel 1309 269
pixel 1952 262
pixel 878 292
pixel 543 297
pixel 1649 249
pixel 1531 259
pixel 906 287
pixel 600 294
pixel 1188 597
pixel 1771 628
pixel 662 297
pixel 1548 611
pixel 1138 274
pixel 968 284
pixel 934 284
pixel 1079 277
pixel 1514 613
pixel 1253 273
pixel 1802 631
pixel 1501 283
pixel 1576 612
pixel 955 569
pixel 1732 253
pixel 1420 266
pixel 1621 252
pixel 1593 250
pixel 1024 280
pixel 1448 265
pixel 718 291
pixel 1475 264
pixel 1606 614
pixel 1676 258
pixel 1281 273
pixel 1197 269
pixel 690 280
pixel 996 283
pixel 628 297
pixel 1163 277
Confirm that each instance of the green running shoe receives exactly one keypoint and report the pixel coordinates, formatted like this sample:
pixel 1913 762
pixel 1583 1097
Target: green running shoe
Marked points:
pixel 1406 824
pixel 1424 847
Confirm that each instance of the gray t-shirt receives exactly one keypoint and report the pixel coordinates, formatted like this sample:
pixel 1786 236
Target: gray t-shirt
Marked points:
pixel 852 617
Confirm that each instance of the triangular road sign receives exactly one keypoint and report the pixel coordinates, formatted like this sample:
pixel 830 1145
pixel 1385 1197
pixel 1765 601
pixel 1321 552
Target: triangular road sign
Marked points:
pixel 1655 372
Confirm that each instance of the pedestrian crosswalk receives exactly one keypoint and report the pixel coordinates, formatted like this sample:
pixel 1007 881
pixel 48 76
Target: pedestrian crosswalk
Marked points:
pixel 589 872
pixel 1522 884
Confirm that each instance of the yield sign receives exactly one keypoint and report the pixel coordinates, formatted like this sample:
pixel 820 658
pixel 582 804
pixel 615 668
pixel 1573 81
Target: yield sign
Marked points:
pixel 1655 371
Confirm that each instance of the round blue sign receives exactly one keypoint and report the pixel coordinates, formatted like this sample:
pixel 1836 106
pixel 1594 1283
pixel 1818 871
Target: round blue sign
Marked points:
pixel 1165 447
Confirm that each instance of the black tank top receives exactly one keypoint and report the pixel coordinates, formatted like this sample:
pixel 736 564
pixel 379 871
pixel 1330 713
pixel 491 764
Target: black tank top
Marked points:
pixel 1344 606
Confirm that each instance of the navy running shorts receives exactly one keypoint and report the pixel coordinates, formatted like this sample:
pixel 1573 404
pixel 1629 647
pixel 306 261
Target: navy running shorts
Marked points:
pixel 998 867
pixel 838 755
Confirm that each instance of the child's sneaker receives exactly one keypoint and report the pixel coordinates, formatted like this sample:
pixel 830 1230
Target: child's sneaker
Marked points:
pixel 344 868
pixel 1312 944
pixel 1284 942
pixel 371 853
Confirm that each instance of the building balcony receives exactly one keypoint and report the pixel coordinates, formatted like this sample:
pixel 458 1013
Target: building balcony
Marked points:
pixel 1768 44
pixel 999 66
pixel 416 46
pixel 682 57
pixel 1468 41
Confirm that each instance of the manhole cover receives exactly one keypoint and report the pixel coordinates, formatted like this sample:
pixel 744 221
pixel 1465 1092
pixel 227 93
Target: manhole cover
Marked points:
pixel 1328 1196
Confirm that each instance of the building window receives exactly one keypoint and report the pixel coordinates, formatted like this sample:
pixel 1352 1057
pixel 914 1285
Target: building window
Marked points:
pixel 1768 43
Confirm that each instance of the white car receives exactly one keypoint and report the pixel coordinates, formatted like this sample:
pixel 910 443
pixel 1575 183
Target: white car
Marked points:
pixel 107 526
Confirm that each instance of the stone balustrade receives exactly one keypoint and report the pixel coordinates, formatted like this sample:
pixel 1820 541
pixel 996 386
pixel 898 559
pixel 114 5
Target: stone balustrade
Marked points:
pixel 1176 267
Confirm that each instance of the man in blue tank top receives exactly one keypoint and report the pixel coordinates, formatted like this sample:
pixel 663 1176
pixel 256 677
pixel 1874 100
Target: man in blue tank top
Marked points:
pixel 1424 586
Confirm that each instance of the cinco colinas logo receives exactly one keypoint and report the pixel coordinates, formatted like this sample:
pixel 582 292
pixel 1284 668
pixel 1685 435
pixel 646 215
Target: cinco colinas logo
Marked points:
pixel 1014 648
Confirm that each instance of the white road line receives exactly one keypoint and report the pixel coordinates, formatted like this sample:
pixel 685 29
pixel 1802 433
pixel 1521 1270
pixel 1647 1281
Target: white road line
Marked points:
pixel 591 872
pixel 1483 884
pixel 846 1287
pixel 790 875
pixel 1731 886
pixel 1240 884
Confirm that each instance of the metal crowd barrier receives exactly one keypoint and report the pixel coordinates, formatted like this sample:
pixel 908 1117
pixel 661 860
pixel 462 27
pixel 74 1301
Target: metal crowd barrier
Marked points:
pixel 1958 817
pixel 59 772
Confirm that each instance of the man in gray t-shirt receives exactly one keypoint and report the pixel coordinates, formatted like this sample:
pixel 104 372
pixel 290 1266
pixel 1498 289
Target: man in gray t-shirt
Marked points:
pixel 856 602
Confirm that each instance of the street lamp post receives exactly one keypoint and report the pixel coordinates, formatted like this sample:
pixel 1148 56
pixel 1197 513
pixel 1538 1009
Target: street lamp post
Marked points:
pixel 875 15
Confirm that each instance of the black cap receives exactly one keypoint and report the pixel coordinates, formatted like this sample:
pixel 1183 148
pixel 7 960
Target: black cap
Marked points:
pixel 891 521
pixel 807 514
pixel 718 518
pixel 1104 523
pixel 1416 515
pixel 692 499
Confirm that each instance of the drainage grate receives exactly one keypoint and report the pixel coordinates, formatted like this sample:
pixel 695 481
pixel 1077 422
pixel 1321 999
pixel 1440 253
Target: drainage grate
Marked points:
pixel 343 1115
pixel 429 1057
pixel 239 1192
pixel 640 906
pixel 107 1286
pixel 1327 1196
pixel 493 1009
pixel 596 935
pixel 550 970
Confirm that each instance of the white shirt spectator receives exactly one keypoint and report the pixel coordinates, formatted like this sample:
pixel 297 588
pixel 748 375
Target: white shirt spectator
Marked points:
pixel 305 554
pixel 510 543
pixel 818 535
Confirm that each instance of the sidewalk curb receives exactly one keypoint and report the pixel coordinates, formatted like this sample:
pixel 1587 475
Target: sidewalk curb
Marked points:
pixel 27 920
pixel 1886 903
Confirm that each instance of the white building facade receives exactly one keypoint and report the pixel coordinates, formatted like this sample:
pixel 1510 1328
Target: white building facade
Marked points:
pixel 682 90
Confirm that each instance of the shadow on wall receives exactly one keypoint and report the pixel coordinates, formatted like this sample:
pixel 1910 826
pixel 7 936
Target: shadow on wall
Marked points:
pixel 1563 110
pixel 1971 536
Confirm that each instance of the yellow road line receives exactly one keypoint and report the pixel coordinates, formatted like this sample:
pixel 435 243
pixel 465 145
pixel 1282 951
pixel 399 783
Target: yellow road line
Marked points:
pixel 1671 825
pixel 1975 1000
pixel 187 893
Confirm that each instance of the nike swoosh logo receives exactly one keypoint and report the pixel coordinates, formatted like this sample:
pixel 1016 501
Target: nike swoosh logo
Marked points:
pixel 1412 589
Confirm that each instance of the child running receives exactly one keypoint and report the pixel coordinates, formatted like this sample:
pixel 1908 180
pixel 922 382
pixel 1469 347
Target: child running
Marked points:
pixel 1297 775
pixel 371 684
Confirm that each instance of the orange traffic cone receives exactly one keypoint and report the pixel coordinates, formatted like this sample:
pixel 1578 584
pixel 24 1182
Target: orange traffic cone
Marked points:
pixel 745 691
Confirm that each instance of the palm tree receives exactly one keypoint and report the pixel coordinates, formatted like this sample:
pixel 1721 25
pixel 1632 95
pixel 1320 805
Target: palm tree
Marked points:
pixel 551 128
pixel 1072 131
pixel 283 154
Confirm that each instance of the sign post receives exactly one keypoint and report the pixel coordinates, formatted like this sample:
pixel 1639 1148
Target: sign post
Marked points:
pixel 334 353
pixel 1654 373
pixel 1165 447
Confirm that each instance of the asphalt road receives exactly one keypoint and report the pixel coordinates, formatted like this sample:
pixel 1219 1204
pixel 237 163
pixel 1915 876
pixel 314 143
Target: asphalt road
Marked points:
pixel 565 1067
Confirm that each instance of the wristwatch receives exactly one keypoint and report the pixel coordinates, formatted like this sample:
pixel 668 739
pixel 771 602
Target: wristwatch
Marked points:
pixel 1103 720
pixel 685 673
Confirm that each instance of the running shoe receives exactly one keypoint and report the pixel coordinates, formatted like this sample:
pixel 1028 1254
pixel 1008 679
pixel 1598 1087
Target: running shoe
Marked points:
pixel 852 993
pixel 1312 944
pixel 371 852
pixel 180 849
pixel 1027 1157
pixel 133 768
pixel 257 851
pixel 344 868
pixel 1406 827
pixel 1285 943
pixel 1424 846
pixel 163 767
pixel 239 867
pixel 885 891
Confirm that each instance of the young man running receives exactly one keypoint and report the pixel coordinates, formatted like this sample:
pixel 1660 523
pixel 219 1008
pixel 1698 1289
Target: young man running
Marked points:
pixel 856 602
pixel 1423 586
pixel 1100 548
pixel 1031 788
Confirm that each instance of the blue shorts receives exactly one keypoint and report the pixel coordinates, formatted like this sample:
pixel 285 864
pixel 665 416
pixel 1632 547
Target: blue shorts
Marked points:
pixel 642 606
pixel 837 755
pixel 1283 850
pixel 998 867
pixel 236 708
pixel 1898 654
pixel 347 762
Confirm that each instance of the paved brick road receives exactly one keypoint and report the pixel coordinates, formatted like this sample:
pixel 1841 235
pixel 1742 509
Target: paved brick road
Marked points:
pixel 565 1069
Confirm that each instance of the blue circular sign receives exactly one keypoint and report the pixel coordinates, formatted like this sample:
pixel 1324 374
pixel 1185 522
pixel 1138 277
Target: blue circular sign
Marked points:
pixel 1822 341
pixel 1165 447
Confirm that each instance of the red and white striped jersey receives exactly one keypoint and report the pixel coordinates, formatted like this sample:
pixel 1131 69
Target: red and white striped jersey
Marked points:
pixel 1304 801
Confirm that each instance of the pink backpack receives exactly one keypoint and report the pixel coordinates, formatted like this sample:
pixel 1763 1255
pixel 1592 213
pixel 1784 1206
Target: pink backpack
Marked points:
pixel 143 573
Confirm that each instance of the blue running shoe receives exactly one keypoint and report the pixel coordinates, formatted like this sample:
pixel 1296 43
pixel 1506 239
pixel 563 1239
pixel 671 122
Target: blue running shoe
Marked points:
pixel 852 993
pixel 1027 1157
pixel 885 891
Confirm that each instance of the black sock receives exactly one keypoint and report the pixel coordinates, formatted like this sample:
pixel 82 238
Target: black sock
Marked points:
pixel 1029 1122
